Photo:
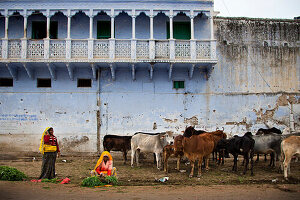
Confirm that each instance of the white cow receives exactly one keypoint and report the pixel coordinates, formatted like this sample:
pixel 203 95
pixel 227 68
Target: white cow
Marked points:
pixel 289 147
pixel 149 143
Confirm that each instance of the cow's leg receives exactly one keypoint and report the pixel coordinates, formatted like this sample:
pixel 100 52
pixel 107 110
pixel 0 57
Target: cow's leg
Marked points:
pixel 157 160
pixel 199 166
pixel 265 157
pixel 193 166
pixel 178 162
pixel 166 157
pixel 286 163
pixel 206 163
pixel 124 156
pixel 132 156
pixel 223 156
pixel 257 158
pixel 234 163
pixel 137 155
pixel 251 162
pixel 246 157
pixel 154 158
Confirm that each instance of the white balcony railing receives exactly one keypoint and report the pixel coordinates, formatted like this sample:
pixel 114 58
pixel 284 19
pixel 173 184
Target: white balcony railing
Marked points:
pixel 109 49
pixel 57 49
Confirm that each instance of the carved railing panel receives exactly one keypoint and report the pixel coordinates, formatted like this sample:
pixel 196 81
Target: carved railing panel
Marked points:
pixel 183 49
pixel 162 50
pixel 14 48
pixel 0 49
pixel 142 49
pixel 35 49
pixel 57 48
pixel 79 49
pixel 123 49
pixel 203 49
pixel 101 49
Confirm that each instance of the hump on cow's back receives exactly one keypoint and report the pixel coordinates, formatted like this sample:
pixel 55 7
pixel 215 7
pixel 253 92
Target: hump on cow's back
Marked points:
pixel 248 134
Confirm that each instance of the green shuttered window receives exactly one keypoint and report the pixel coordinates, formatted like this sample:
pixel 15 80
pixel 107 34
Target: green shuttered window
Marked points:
pixel 178 84
pixel 103 29
pixel 181 30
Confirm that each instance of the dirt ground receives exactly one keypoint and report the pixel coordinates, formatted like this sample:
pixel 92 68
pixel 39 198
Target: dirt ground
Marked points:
pixel 139 182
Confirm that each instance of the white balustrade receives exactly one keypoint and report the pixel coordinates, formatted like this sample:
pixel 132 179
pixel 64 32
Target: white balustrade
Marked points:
pixel 35 49
pixel 79 49
pixel 182 49
pixel 123 49
pixel 142 49
pixel 203 49
pixel 14 48
pixel 162 49
pixel 101 49
pixel 57 49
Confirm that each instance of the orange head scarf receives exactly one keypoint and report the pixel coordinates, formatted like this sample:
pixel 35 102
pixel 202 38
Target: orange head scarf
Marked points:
pixel 104 153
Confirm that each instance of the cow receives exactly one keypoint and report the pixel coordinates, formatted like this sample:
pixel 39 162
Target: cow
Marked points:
pixel 117 143
pixel 239 146
pixel 149 143
pixel 263 131
pixel 199 147
pixel 290 146
pixel 175 150
pixel 268 144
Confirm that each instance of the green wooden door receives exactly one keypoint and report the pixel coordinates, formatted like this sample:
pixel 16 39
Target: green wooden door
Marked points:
pixel 181 30
pixel 103 29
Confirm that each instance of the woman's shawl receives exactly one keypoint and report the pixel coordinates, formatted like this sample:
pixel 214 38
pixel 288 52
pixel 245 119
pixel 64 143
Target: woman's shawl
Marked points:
pixel 42 140
pixel 104 153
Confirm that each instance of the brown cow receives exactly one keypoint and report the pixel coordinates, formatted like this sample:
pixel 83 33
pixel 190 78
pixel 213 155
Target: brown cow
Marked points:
pixel 175 150
pixel 201 146
pixel 289 147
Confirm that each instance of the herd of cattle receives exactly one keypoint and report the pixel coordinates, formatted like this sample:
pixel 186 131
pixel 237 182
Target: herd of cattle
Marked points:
pixel 198 145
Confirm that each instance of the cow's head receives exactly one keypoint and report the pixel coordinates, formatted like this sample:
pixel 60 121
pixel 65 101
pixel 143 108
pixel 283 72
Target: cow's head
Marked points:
pixel 167 137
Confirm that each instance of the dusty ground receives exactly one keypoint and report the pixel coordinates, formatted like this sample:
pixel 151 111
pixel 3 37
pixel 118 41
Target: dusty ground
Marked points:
pixel 139 182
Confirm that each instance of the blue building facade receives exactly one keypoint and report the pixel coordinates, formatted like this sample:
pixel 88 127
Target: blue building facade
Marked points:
pixel 91 68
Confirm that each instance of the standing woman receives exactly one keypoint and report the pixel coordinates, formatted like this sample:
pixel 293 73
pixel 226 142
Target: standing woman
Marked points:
pixel 50 150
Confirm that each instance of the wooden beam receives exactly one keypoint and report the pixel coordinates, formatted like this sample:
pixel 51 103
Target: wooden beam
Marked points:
pixel 13 71
pixel 133 71
pixel 28 70
pixel 112 69
pixel 191 71
pixel 94 71
pixel 71 71
pixel 170 71
pixel 52 71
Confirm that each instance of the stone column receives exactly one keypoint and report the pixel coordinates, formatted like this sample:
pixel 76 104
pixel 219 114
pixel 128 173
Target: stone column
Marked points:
pixel 68 39
pixel 5 39
pixel 24 39
pixel 213 43
pixel 91 39
pixel 193 41
pixel 112 41
pixel 151 41
pixel 133 40
pixel 172 41
pixel 47 39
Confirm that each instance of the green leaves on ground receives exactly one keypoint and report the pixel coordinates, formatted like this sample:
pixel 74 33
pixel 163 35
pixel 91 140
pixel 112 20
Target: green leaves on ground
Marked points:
pixel 11 174
pixel 54 180
pixel 95 181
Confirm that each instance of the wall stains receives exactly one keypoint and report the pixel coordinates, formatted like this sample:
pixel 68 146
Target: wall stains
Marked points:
pixel 68 144
pixel 192 121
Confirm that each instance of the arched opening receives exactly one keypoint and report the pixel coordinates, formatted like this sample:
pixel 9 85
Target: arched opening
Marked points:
pixel 181 27
pixel 142 25
pixel 80 25
pixel 58 26
pixel 202 27
pixel 123 22
pixel 37 26
pixel 2 26
pixel 160 26
pixel 16 26
pixel 102 25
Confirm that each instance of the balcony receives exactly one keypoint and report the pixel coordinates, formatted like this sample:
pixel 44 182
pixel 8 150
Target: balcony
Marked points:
pixel 107 50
